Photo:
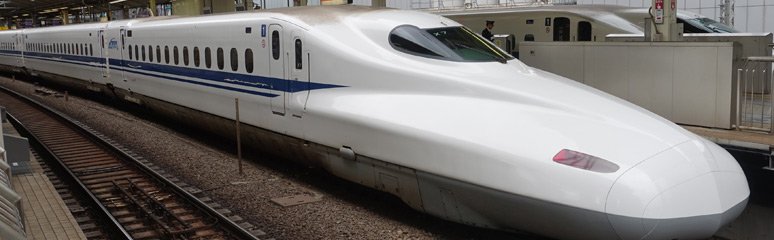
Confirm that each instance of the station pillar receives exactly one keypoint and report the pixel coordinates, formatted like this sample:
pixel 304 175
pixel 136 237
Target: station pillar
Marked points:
pixel 664 23
pixel 65 16
pixel 152 6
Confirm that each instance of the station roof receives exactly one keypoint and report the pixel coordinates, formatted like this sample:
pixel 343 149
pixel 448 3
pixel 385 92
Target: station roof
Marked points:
pixel 50 8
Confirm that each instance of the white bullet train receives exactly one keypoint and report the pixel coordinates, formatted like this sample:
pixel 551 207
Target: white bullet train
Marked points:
pixel 412 104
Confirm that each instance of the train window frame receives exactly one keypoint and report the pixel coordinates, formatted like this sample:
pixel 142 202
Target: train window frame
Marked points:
pixel 175 55
pixel 562 25
pixel 220 55
pixel 457 44
pixel 186 56
pixel 196 57
pixel 584 31
pixel 208 57
pixel 299 48
pixel 249 64
pixel 143 53
pixel 150 53
pixel 91 49
pixel 166 54
pixel 130 52
pixel 158 54
pixel 234 55
pixel 275 45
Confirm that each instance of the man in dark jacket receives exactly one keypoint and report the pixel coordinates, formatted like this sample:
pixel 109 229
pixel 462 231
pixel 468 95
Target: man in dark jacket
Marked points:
pixel 487 31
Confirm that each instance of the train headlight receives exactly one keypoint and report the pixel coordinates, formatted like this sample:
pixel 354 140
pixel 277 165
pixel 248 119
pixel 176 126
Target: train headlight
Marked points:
pixel 585 161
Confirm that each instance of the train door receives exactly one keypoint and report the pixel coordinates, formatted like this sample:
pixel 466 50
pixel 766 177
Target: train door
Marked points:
pixel 103 53
pixel 122 50
pixel 19 40
pixel 299 57
pixel 584 31
pixel 277 69
pixel 561 29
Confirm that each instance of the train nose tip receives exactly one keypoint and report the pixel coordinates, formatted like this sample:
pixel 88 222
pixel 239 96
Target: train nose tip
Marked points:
pixel 687 192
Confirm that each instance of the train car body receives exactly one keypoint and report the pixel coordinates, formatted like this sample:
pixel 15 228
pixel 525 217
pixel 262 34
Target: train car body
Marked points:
pixel 415 105
pixel 573 23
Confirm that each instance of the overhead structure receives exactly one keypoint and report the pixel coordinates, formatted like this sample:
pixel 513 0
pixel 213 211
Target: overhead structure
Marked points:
pixel 11 9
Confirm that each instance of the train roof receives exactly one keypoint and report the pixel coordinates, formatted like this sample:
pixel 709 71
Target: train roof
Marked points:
pixel 606 14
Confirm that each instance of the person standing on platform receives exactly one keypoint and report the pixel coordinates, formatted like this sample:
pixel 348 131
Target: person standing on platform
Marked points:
pixel 487 33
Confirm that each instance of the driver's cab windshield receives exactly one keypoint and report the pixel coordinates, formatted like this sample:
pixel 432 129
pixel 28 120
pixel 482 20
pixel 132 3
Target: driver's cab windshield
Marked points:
pixel 449 43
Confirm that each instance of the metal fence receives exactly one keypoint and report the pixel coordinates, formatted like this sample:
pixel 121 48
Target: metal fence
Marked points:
pixel 754 90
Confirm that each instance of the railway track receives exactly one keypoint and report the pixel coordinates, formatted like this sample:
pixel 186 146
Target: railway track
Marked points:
pixel 126 198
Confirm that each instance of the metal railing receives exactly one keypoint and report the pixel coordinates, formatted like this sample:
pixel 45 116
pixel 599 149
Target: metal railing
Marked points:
pixel 753 100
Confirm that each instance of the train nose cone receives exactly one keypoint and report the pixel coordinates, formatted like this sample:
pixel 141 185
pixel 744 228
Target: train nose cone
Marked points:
pixel 687 192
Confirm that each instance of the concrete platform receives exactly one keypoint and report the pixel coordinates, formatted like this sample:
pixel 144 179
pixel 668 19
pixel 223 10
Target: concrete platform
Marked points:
pixel 747 139
pixel 45 214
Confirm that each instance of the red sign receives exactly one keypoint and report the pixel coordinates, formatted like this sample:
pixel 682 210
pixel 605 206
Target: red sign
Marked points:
pixel 659 4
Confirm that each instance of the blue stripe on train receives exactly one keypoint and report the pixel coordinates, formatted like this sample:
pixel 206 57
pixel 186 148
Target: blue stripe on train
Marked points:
pixel 144 68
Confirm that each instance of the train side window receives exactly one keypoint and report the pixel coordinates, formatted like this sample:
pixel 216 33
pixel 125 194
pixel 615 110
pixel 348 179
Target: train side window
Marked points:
pixel 166 54
pixel 208 57
pixel 175 55
pixel 561 29
pixel 234 60
pixel 136 52
pixel 299 55
pixel 150 53
pixel 158 54
pixel 584 31
pixel 196 56
pixel 185 56
pixel 221 64
pixel 130 52
pixel 249 60
pixel 275 45
pixel 143 53
pixel 529 38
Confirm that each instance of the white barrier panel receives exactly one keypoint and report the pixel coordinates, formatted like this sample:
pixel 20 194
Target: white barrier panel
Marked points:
pixel 685 82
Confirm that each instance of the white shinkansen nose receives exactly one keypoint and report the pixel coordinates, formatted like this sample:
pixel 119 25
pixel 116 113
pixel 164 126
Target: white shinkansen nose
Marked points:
pixel 689 191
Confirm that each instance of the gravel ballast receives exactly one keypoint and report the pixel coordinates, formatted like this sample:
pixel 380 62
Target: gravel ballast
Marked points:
pixel 345 210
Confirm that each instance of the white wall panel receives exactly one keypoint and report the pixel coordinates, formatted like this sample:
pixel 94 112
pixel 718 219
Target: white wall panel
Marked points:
pixel 709 3
pixel 752 24
pixel 692 84
pixel 740 19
